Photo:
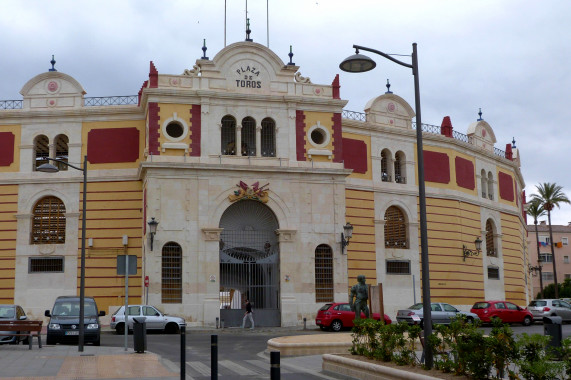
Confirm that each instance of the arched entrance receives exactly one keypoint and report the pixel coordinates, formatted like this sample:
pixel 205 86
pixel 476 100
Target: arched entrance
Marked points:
pixel 249 264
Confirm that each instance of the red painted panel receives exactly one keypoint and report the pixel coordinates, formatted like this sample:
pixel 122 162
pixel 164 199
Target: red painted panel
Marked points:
pixel 154 128
pixel 337 138
pixel 335 85
pixel 300 135
pixel 112 145
pixel 465 173
pixel 436 167
pixel 355 155
pixel 153 76
pixel 506 187
pixel 195 129
pixel 6 148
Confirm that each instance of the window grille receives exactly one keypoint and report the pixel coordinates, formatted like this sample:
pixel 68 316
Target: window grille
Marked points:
pixel 41 150
pixel 493 273
pixel 62 151
pixel 547 276
pixel 484 183
pixel 398 171
pixel 385 177
pixel 395 228
pixel 323 273
pixel 490 244
pixel 45 265
pixel 248 137
pixel 171 282
pixel 48 221
pixel 228 136
pixel 490 186
pixel 398 266
pixel 268 138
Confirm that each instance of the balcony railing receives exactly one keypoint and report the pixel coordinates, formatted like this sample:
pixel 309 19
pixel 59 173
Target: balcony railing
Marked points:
pixel 111 101
pixel 11 104
pixel 400 179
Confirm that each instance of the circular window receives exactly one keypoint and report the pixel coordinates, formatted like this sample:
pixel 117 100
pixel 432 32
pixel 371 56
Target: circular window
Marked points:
pixel 174 130
pixel 318 136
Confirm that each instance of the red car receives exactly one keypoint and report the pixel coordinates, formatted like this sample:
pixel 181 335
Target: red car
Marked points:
pixel 508 312
pixel 337 316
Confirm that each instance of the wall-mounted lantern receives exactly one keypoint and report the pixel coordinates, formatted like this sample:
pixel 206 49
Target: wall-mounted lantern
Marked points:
pixel 468 252
pixel 346 235
pixel 152 229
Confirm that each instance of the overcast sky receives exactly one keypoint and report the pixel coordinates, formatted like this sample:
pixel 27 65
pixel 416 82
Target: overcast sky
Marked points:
pixel 511 58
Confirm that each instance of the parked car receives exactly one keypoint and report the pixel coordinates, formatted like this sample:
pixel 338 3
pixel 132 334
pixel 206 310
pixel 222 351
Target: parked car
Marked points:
pixel 506 311
pixel 550 307
pixel 442 313
pixel 12 313
pixel 154 319
pixel 64 321
pixel 336 316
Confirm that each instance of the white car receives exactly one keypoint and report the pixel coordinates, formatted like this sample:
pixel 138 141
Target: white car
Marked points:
pixel 154 319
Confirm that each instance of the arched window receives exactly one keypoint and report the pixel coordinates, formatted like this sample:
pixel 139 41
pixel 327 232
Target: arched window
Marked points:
pixel 171 281
pixel 385 172
pixel 490 186
pixel 490 243
pixel 323 273
pixel 400 175
pixel 395 228
pixel 62 151
pixel 248 136
pixel 41 150
pixel 484 183
pixel 268 138
pixel 228 136
pixel 48 221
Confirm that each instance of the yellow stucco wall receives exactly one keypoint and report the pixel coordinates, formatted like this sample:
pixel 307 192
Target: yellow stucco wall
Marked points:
pixel 8 228
pixel 361 256
pixel 88 126
pixel 513 235
pixel 114 209
pixel 367 141
pixel 168 111
pixel 16 131
pixel 325 120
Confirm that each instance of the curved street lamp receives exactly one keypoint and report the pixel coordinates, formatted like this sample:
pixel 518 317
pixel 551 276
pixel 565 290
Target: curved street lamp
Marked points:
pixel 359 63
pixel 49 168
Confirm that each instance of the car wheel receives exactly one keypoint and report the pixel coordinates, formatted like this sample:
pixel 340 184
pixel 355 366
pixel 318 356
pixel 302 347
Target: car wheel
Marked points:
pixel 26 341
pixel 50 341
pixel 120 329
pixel 469 320
pixel 336 325
pixel 421 324
pixel 171 328
pixel 527 320
pixel 97 342
pixel 323 328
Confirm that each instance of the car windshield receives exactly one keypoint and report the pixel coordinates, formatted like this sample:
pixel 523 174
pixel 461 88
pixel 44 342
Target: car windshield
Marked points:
pixel 7 312
pixel 481 305
pixel 538 303
pixel 416 306
pixel 71 309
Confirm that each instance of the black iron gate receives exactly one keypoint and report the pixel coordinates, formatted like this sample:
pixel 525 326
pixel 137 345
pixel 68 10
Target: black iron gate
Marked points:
pixel 249 265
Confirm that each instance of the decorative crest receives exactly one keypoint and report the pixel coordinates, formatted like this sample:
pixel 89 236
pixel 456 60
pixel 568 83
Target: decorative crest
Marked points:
pixel 254 192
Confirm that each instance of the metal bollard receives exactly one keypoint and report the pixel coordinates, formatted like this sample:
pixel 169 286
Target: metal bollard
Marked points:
pixel 221 323
pixel 217 322
pixel 275 365
pixel 304 323
pixel 182 352
pixel 214 356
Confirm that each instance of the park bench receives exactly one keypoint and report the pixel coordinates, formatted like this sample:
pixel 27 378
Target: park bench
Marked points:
pixel 29 329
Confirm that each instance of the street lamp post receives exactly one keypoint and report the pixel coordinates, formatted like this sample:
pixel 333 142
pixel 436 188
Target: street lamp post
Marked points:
pixel 360 63
pixel 49 168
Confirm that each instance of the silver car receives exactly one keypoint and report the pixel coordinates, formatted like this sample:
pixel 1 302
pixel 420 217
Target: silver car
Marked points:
pixel 442 313
pixel 550 307
pixel 154 319
pixel 12 313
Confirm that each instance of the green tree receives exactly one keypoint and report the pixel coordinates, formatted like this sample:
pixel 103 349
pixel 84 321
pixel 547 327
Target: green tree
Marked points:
pixel 551 195
pixel 535 210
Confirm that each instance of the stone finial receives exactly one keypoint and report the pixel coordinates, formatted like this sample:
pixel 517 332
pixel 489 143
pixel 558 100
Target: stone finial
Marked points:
pixel 388 88
pixel 53 62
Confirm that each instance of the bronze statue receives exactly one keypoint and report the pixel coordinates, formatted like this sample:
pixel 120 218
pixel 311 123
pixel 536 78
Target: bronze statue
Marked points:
pixel 361 293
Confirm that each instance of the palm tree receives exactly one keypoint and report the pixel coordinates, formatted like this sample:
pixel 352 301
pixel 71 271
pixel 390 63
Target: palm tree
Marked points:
pixel 551 195
pixel 535 210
